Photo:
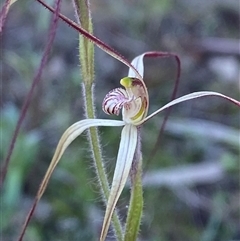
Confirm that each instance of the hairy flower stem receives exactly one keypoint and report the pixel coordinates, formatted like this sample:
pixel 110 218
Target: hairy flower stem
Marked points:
pixel 97 157
pixel 95 143
pixel 86 58
pixel 136 201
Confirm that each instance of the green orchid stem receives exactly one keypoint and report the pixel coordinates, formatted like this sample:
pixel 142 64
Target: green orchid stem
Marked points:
pixel 95 143
pixel 86 58
pixel 136 201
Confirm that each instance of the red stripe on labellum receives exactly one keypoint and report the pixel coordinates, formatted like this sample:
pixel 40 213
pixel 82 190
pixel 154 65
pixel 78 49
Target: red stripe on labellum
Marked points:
pixel 114 101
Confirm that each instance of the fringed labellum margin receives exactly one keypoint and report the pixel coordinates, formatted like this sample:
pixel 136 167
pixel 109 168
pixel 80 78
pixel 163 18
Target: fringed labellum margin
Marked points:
pixel 133 100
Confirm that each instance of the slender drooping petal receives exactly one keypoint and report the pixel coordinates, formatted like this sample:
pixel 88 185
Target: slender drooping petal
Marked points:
pixel 67 138
pixel 191 96
pixel 124 162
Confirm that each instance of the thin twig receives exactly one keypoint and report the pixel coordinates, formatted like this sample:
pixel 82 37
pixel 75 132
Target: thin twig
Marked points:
pixel 173 96
pixel 3 14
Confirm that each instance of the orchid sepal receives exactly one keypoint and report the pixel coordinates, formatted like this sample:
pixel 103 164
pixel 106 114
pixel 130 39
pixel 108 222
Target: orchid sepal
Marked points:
pixel 67 138
pixel 125 157
pixel 190 96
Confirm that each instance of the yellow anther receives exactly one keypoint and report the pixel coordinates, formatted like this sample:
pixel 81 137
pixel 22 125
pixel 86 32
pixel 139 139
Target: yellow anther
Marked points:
pixel 126 82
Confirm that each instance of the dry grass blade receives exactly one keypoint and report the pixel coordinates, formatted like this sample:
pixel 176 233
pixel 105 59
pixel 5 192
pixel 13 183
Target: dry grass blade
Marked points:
pixel 4 12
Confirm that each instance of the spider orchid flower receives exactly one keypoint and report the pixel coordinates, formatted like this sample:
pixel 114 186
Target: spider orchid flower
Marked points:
pixel 133 100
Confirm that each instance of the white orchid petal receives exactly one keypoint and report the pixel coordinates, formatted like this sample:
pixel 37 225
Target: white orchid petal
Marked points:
pixel 191 96
pixel 67 138
pixel 124 161
pixel 69 135
pixel 137 62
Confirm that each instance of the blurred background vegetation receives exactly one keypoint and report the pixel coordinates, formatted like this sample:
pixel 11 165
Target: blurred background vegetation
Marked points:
pixel 191 184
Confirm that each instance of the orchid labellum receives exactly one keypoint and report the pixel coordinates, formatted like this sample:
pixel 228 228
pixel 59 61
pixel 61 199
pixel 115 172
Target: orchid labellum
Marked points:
pixel 133 100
